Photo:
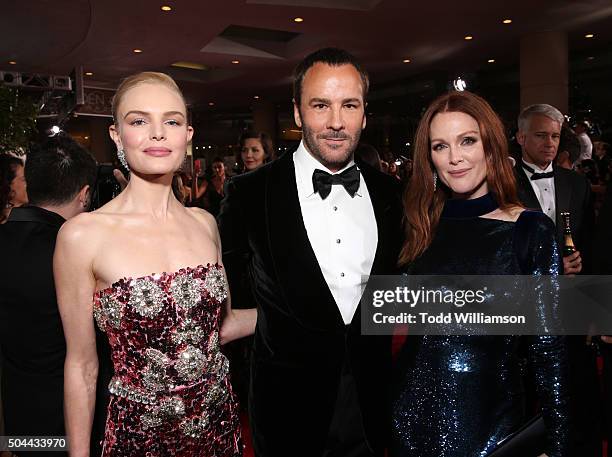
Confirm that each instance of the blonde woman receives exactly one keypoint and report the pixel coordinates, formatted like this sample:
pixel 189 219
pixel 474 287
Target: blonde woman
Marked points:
pixel 153 268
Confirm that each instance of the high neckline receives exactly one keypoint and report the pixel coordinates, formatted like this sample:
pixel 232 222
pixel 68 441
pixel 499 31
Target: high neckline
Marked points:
pixel 456 208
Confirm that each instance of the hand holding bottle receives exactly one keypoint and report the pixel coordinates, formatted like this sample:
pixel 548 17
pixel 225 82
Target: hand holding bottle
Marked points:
pixel 572 264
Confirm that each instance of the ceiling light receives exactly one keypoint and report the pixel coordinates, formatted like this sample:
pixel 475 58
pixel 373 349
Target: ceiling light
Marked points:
pixel 298 19
pixel 137 51
pixel 86 137
pixel 491 61
pixel 507 21
pixel 468 37
pixel 211 103
pixel 12 62
pixel 235 62
pixel 166 8
pixel 590 58
pixel 256 97
pixel 88 73
pixel 589 35
pixel 55 130
pixel 406 60
pixel 459 84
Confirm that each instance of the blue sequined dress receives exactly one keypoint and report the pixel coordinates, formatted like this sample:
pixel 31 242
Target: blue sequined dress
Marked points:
pixel 458 396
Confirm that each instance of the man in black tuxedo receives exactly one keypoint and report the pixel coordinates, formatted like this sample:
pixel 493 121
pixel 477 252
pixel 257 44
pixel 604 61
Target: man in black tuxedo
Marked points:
pixel 59 176
pixel 553 190
pixel 306 228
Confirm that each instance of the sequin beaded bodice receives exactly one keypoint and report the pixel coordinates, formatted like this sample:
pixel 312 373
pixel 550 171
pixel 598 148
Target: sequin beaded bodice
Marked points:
pixel 170 394
pixel 459 396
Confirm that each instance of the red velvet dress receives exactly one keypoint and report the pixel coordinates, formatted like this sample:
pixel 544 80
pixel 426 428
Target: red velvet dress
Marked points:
pixel 171 393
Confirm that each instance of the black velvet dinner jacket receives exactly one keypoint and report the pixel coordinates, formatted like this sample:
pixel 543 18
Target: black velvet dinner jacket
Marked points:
pixel 572 193
pixel 301 341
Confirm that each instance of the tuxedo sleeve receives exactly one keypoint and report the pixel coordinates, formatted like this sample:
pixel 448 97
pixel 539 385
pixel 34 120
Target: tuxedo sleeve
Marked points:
pixel 235 244
pixel 587 227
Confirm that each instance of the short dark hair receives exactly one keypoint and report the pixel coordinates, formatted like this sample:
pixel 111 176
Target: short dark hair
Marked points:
pixel 333 57
pixel 57 170
pixel 569 142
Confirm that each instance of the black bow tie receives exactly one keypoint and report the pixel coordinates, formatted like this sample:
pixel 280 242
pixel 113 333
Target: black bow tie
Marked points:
pixel 323 181
pixel 535 176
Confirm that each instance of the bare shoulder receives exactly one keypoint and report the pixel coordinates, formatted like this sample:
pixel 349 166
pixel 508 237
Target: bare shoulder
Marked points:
pixel 507 214
pixel 204 218
pixel 78 227
pixel 85 231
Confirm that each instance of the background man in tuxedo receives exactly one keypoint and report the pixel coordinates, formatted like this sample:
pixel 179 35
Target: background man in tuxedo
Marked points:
pixel 306 227
pixel 545 186
pixel 59 176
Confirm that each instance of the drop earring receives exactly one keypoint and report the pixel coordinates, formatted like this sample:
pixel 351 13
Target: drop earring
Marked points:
pixel 435 180
pixel 121 157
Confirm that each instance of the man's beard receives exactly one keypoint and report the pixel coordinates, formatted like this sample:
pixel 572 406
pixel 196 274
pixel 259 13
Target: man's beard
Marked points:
pixel 336 162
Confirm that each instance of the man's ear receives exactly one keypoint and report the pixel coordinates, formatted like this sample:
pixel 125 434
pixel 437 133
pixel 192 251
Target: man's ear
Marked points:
pixel 84 196
pixel 296 114
pixel 363 123
pixel 520 138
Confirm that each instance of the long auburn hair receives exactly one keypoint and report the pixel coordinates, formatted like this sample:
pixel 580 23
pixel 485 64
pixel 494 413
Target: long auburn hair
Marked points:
pixel 422 203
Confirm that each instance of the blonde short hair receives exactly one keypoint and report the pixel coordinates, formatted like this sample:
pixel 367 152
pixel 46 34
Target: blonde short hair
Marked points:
pixel 145 77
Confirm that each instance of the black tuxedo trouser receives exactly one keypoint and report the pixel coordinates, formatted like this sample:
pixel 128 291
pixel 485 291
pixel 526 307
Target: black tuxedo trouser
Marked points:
pixel 346 436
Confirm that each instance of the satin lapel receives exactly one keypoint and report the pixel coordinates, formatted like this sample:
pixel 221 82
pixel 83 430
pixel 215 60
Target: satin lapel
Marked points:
pixel 525 191
pixel 381 206
pixel 563 195
pixel 306 292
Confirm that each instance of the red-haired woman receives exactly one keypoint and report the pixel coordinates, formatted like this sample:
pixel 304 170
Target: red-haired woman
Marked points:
pixel 460 395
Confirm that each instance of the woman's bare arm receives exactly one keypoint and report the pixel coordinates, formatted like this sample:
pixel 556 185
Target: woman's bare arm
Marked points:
pixel 198 189
pixel 75 285
pixel 237 323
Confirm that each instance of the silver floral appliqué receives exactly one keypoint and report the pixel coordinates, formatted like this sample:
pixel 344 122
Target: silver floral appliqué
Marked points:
pixel 215 284
pixel 185 290
pixel 146 298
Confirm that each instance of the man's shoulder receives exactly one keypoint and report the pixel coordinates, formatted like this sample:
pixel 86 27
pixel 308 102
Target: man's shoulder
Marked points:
pixel 379 180
pixel 519 174
pixel 252 180
pixel 25 222
pixel 574 178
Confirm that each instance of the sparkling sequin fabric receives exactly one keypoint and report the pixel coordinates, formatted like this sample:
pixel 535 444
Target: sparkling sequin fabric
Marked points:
pixel 458 396
pixel 171 393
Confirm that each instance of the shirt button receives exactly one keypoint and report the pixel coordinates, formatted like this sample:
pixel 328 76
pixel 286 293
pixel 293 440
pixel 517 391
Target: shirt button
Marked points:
pixel 338 241
pixel 546 189
pixel 335 208
pixel 342 275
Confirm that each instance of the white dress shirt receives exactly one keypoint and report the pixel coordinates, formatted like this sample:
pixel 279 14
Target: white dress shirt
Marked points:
pixel 342 232
pixel 544 189
pixel 586 147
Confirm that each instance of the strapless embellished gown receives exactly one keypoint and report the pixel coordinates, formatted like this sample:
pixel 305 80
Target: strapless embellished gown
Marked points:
pixel 171 393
